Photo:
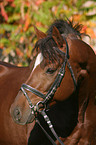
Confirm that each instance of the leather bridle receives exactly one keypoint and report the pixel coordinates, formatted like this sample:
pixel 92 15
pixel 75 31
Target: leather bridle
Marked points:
pixel 48 97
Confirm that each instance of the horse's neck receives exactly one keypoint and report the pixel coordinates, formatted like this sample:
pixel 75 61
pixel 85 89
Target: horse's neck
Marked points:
pixel 11 78
pixel 7 69
pixel 2 63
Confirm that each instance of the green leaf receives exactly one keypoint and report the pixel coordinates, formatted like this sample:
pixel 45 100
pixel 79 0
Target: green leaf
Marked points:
pixel 4 41
pixel 14 17
pixel 8 27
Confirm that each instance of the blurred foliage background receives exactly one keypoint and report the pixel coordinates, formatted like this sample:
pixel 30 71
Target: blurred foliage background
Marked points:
pixel 17 36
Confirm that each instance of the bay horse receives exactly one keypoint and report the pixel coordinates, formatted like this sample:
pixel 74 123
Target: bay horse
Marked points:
pixel 11 78
pixel 63 76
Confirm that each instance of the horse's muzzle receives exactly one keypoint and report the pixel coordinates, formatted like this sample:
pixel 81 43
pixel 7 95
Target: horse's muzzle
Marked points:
pixel 16 114
pixel 19 118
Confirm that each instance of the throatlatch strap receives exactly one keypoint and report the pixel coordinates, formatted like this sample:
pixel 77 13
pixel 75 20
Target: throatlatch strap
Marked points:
pixel 72 74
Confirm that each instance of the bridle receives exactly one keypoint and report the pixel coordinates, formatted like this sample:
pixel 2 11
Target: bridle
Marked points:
pixel 48 97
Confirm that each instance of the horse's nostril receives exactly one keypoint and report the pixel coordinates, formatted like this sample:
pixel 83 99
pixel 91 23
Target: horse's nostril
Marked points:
pixel 17 114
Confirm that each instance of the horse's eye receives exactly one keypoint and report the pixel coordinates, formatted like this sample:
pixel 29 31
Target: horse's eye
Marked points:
pixel 50 71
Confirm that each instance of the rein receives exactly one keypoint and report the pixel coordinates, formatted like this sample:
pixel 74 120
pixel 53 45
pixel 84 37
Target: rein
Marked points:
pixel 48 97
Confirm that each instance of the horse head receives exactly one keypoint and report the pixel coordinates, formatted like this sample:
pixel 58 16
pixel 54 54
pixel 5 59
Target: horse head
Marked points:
pixel 53 54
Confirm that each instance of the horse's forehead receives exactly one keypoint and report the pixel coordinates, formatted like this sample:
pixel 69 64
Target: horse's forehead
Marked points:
pixel 38 60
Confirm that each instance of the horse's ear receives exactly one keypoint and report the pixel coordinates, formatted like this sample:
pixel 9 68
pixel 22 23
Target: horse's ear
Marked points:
pixel 57 37
pixel 39 33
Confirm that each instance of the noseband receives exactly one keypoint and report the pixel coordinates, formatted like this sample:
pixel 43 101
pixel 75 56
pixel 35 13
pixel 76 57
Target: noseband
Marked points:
pixel 48 97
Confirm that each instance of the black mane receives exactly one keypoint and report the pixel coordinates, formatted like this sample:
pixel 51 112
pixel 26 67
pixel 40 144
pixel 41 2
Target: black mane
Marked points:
pixel 66 27
pixel 48 47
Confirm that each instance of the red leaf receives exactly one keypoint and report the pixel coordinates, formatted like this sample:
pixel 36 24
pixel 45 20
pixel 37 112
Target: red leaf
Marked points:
pixel 19 53
pixel 39 2
pixel 9 0
pixel 27 22
pixel 3 12
pixel 13 5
